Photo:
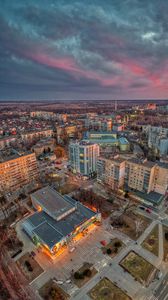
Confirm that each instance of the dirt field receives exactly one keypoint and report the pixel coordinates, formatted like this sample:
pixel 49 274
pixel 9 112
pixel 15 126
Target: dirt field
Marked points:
pixel 151 243
pixel 139 268
pixel 106 290
pixel 36 269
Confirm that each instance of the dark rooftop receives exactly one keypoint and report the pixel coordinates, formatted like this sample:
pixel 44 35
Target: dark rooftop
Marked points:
pixel 51 231
pixel 51 201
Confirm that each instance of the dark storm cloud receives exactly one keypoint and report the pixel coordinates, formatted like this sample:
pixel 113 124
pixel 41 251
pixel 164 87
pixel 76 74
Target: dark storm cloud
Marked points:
pixel 101 48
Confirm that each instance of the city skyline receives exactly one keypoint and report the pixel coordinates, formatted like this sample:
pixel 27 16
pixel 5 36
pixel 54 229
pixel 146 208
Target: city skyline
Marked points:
pixel 78 50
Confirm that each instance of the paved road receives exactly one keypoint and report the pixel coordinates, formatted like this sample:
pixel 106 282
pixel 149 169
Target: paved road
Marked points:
pixel 161 292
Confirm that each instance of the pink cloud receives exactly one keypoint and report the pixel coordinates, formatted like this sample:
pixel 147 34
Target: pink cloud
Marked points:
pixel 69 64
pixel 138 70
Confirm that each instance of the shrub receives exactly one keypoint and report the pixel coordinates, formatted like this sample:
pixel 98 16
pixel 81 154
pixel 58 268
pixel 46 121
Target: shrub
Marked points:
pixel 108 251
pixel 78 275
pixel 87 272
pixel 27 264
pixel 117 244
pixel 166 236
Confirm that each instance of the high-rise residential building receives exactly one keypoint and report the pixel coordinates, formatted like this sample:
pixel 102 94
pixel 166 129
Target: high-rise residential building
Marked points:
pixel 17 170
pixel 160 184
pixel 111 171
pixel 140 175
pixel 83 157
pixel 146 176
pixel 157 138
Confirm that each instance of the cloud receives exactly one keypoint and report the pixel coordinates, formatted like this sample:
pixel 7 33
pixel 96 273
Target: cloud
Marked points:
pixel 99 48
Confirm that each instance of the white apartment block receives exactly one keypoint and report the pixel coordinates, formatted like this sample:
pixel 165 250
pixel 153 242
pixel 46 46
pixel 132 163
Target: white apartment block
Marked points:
pixel 111 172
pixel 83 157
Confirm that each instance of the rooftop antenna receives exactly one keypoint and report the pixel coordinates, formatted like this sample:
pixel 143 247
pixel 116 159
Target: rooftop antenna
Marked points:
pixel 115 105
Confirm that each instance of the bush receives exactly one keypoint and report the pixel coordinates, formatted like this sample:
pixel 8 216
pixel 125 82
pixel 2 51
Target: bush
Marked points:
pixel 166 236
pixel 117 244
pixel 78 275
pixel 27 264
pixel 87 272
pixel 108 251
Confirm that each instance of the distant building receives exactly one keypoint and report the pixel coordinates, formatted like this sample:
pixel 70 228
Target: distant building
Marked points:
pixel 32 135
pixel 108 139
pixel 124 145
pixel 157 139
pixel 118 127
pixel 101 134
pixel 103 123
pixel 46 115
pixel 44 145
pixel 17 171
pixel 59 220
pixel 151 106
pixel 111 172
pixel 83 157
pixel 6 141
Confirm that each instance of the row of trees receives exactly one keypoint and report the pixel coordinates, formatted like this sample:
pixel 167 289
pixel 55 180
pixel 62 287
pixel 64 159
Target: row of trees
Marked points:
pixel 88 196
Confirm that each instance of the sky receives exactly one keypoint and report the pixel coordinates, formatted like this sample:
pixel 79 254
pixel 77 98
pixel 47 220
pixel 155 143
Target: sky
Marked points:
pixel 86 49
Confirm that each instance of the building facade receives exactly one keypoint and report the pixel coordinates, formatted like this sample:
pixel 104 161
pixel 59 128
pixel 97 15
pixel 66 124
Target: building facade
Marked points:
pixel 140 175
pixel 17 171
pixel 111 172
pixel 58 221
pixel 83 157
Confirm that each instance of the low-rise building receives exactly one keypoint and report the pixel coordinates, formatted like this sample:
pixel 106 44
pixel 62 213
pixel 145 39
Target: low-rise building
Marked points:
pixel 44 145
pixel 59 220
pixel 32 135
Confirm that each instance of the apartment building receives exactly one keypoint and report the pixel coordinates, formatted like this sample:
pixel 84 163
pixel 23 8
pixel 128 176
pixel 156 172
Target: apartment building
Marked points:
pixel 7 141
pixel 83 157
pixel 44 145
pixel 140 175
pixel 160 183
pixel 111 171
pixel 17 170
pixel 29 136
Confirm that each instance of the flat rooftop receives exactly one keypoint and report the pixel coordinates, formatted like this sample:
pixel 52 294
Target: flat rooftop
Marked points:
pixel 146 163
pixel 10 155
pixel 52 202
pixel 51 231
pixel 123 141
pixel 153 197
pixel 102 140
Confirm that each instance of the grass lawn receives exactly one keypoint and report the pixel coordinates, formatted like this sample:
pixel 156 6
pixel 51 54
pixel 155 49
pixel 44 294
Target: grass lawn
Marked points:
pixel 85 279
pixel 165 244
pixel 151 243
pixel 51 291
pixel 115 245
pixel 106 290
pixel 139 268
pixel 36 269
